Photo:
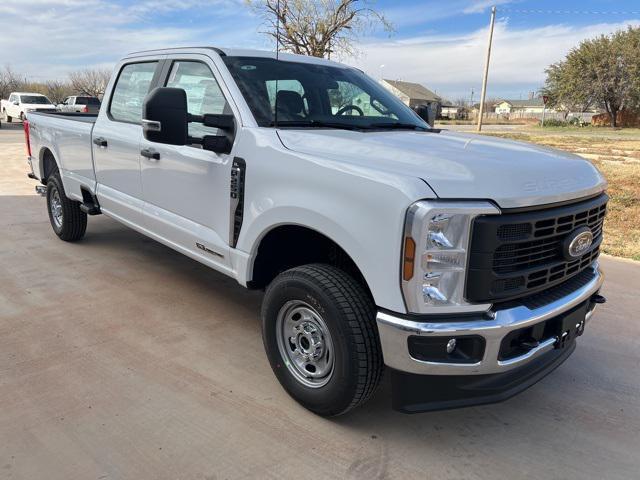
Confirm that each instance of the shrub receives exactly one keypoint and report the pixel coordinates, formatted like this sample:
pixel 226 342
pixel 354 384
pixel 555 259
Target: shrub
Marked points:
pixel 552 122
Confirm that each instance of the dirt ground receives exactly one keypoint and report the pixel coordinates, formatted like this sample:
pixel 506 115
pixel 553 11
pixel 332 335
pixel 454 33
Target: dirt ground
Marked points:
pixel 616 153
pixel 122 359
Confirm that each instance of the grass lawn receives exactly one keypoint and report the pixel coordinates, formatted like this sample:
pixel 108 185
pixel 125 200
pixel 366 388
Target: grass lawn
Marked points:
pixel 616 153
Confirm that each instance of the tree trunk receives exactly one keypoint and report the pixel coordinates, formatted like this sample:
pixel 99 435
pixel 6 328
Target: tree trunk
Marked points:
pixel 614 117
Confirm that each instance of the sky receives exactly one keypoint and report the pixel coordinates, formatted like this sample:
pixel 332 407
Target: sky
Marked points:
pixel 441 44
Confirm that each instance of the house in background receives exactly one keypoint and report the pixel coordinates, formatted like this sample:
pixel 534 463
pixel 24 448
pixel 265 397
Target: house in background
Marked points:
pixel 453 112
pixel 413 94
pixel 532 106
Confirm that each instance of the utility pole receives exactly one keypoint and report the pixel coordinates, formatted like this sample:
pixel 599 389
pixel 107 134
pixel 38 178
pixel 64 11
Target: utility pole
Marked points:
pixel 486 69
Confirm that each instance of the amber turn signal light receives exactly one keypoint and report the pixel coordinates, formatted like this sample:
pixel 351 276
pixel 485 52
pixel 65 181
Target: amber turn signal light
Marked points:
pixel 409 258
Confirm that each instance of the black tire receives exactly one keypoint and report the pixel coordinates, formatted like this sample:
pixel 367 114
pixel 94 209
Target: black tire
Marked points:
pixel 7 117
pixel 348 312
pixel 22 117
pixel 73 223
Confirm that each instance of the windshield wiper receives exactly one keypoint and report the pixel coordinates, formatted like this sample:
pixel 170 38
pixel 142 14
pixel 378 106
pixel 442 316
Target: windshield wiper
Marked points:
pixel 315 124
pixel 397 125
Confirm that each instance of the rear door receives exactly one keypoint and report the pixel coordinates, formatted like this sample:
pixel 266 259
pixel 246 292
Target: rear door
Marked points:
pixel 187 189
pixel 116 141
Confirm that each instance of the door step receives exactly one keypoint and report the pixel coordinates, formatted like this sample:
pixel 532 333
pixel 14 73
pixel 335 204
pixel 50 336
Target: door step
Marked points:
pixel 90 204
pixel 90 208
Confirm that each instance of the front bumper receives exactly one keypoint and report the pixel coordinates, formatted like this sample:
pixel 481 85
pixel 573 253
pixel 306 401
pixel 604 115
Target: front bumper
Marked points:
pixel 490 365
pixel 493 327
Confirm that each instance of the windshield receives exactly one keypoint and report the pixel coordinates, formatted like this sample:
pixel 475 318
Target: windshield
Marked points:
pixel 297 94
pixel 35 99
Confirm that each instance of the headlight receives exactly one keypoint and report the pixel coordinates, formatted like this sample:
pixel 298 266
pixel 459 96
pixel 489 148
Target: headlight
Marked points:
pixel 436 242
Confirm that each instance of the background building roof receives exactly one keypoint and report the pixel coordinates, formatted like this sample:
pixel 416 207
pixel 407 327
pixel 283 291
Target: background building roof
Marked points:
pixel 414 90
pixel 533 102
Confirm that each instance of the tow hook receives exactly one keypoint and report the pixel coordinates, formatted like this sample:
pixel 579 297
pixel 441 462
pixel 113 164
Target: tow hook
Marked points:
pixel 599 299
pixel 41 190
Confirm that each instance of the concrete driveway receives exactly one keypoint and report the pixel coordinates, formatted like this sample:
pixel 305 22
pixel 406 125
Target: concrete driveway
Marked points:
pixel 121 359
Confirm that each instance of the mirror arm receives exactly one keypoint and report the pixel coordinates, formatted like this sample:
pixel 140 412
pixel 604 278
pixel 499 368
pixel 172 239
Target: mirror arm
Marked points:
pixel 191 118
pixel 221 121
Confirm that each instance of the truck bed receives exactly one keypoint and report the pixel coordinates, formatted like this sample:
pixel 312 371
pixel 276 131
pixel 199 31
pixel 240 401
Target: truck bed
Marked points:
pixel 67 135
pixel 77 116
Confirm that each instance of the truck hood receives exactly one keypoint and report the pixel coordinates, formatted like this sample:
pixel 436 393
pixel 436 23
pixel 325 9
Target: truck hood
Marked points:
pixel 459 166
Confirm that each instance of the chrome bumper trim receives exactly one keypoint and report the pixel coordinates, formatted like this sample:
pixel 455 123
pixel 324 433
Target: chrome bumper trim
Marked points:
pixel 395 331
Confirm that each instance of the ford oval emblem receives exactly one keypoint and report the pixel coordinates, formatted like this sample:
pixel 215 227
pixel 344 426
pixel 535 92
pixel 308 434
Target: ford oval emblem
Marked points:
pixel 578 243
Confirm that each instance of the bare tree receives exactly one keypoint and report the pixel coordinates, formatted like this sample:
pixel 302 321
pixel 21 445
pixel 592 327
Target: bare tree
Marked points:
pixel 318 28
pixel 90 82
pixel 57 90
pixel 10 81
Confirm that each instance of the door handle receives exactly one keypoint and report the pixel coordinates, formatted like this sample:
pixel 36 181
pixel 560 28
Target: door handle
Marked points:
pixel 99 141
pixel 150 154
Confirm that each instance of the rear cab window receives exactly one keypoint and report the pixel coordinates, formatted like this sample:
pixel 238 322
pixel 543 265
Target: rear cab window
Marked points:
pixel 87 101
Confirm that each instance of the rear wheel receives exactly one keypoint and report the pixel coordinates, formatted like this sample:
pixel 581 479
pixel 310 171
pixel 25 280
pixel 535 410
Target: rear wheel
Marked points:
pixel 67 220
pixel 22 116
pixel 318 328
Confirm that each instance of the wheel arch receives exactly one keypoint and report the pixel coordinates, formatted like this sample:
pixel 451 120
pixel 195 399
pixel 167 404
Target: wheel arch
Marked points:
pixel 288 245
pixel 48 163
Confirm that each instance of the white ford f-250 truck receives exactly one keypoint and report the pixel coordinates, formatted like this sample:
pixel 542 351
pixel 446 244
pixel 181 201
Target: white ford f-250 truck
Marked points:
pixel 20 103
pixel 465 265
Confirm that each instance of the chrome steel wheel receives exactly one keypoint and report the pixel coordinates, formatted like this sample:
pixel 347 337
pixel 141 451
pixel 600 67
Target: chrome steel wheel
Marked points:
pixel 305 343
pixel 55 205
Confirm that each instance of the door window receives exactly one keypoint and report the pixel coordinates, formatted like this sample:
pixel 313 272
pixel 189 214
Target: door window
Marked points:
pixel 131 87
pixel 203 93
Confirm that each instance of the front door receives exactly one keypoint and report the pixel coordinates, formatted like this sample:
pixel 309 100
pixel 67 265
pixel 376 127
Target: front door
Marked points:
pixel 186 189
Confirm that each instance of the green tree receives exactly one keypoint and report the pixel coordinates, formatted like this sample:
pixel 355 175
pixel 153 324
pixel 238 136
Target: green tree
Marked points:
pixel 602 71
pixel 564 88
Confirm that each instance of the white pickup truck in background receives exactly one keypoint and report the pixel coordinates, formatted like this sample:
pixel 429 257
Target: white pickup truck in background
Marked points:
pixel 80 104
pixel 467 265
pixel 19 103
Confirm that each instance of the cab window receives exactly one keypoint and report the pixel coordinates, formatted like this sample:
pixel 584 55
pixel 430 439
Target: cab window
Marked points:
pixel 203 93
pixel 131 87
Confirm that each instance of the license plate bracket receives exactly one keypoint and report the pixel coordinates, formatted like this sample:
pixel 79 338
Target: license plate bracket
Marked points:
pixel 571 325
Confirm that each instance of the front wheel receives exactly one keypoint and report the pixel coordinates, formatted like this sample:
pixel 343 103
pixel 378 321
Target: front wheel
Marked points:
pixel 7 118
pixel 319 332
pixel 67 220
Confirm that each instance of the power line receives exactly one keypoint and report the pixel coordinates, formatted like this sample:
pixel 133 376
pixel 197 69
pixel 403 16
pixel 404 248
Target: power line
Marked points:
pixel 570 12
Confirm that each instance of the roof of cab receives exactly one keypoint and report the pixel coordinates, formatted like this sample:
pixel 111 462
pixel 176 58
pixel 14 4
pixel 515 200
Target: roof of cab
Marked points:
pixel 240 52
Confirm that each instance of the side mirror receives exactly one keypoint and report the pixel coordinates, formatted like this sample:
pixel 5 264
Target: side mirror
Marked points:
pixel 165 116
pixel 16 102
pixel 426 113
pixel 165 119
